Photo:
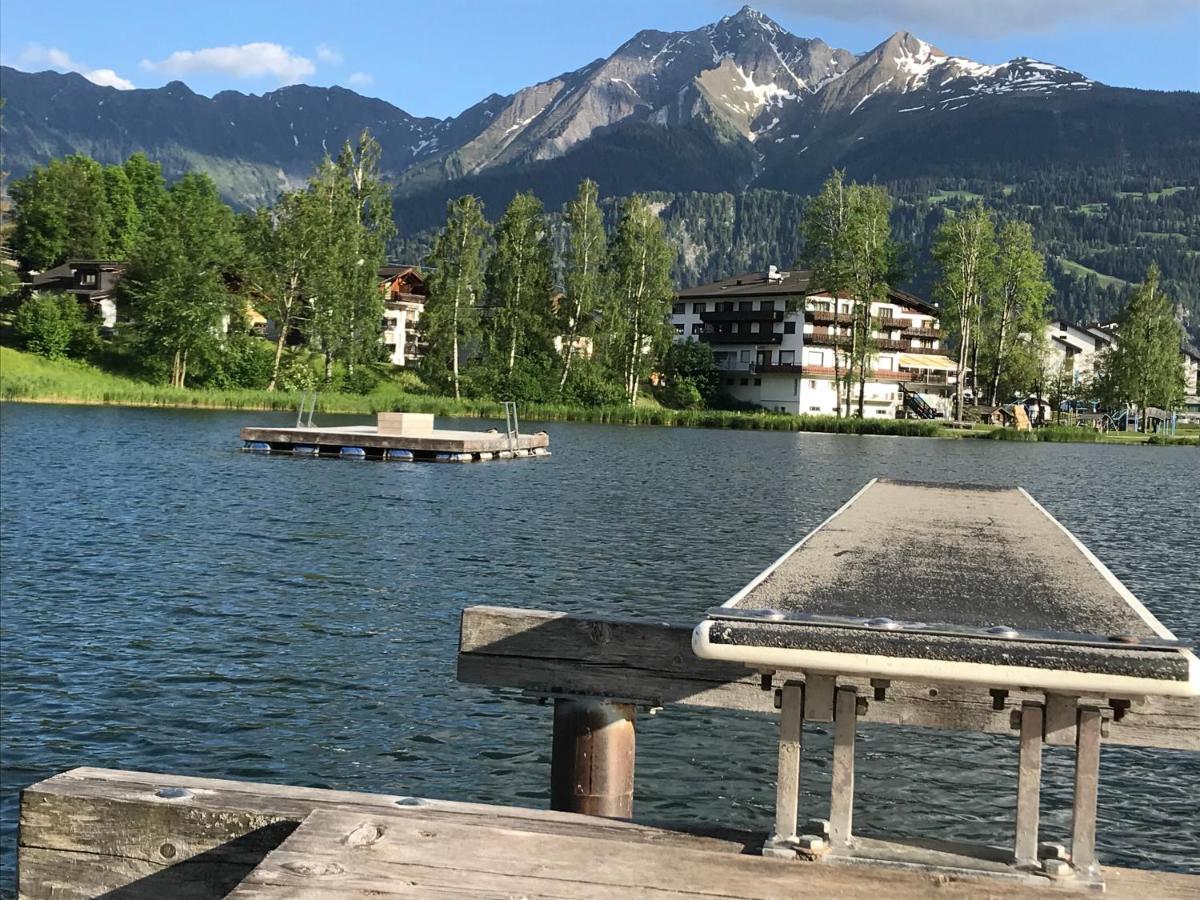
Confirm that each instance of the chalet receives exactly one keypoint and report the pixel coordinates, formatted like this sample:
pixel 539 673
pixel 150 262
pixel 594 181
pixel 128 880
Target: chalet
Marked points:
pixel 91 281
pixel 404 292
pixel 775 340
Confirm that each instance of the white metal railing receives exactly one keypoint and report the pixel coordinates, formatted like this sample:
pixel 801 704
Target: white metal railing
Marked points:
pixel 511 426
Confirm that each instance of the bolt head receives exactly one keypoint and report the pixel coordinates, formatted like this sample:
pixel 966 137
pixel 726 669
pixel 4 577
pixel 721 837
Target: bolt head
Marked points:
pixel 1057 868
pixel 1052 851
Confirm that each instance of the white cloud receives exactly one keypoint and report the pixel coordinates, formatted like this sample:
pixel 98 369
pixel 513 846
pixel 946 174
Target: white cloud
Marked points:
pixel 359 79
pixel 36 56
pixel 244 61
pixel 990 18
pixel 329 55
pixel 108 78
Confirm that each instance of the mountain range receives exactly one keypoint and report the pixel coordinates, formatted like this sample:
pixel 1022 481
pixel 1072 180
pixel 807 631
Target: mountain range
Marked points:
pixel 736 104
pixel 739 109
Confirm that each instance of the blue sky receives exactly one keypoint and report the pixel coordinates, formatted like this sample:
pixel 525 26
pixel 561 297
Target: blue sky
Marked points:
pixel 438 58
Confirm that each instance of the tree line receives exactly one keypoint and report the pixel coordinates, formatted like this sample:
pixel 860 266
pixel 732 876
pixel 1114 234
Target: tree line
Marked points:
pixel 195 270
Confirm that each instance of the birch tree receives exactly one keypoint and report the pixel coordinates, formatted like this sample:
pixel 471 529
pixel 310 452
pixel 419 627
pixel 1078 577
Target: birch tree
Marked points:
pixel 586 258
pixel 519 283
pixel 1145 366
pixel 450 321
pixel 827 254
pixel 965 250
pixel 279 245
pixel 1016 306
pixel 872 260
pixel 640 261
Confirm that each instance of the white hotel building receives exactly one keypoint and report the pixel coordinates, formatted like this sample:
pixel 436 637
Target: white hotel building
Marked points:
pixel 774 342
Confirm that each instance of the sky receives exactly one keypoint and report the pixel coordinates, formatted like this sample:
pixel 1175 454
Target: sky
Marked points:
pixel 437 58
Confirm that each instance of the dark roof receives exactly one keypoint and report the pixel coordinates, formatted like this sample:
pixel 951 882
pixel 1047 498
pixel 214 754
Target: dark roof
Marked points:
pixel 798 281
pixel 391 270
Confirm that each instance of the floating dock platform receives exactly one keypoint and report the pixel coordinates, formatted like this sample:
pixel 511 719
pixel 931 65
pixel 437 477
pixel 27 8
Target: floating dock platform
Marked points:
pixel 409 437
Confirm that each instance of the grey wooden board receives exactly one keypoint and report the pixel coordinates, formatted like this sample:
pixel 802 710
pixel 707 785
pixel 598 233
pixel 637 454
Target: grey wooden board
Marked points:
pixel 344 854
pixel 91 832
pixel 958 555
pixel 652 663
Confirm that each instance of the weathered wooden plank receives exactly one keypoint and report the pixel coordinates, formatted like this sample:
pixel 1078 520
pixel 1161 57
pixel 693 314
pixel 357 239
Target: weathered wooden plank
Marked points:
pixel 652 663
pixel 89 832
pixel 341 853
pixel 100 829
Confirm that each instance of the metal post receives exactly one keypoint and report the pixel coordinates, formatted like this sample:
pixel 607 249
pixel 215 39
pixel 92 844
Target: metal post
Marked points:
pixel 1029 785
pixel 591 763
pixel 841 799
pixel 787 789
pixel 1087 783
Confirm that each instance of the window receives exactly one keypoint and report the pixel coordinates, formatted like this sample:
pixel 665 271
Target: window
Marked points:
pixel 745 356
pixel 746 305
pixel 697 328
pixel 729 382
pixel 812 383
pixel 789 327
pixel 678 309
pixel 767 306
pixel 699 307
pixel 787 357
pixel 745 381
pixel 814 358
pixel 820 306
pixel 679 328
pixel 816 409
pixel 755 327
pixel 87 278
pixel 757 382
pixel 795 387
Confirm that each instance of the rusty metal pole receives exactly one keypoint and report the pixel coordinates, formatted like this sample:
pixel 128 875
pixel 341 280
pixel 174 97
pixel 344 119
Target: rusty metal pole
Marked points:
pixel 591 764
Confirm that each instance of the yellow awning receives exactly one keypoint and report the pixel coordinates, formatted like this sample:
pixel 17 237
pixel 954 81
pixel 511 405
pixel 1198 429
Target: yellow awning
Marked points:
pixel 933 361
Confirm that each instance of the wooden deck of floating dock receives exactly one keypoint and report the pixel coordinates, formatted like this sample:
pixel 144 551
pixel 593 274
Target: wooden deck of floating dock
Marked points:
pixel 141 836
pixel 455 446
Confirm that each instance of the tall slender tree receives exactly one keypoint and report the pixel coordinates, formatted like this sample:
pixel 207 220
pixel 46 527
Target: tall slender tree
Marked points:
pixel 827 252
pixel 640 260
pixel 176 277
pixel 965 250
pixel 279 245
pixel 1145 366
pixel 873 264
pixel 519 283
pixel 584 278
pixel 450 321
pixel 1016 304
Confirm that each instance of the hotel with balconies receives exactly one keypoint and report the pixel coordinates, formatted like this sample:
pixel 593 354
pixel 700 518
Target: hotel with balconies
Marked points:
pixel 774 340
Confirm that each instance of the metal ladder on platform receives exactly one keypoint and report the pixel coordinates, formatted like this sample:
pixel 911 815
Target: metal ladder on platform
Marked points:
pixel 511 426
pixel 307 398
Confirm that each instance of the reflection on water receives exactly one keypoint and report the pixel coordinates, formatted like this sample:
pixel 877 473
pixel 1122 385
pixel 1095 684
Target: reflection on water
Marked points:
pixel 172 605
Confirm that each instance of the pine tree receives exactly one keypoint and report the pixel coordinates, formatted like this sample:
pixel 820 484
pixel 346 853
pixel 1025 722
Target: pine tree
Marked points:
pixel 640 261
pixel 519 284
pixel 450 321
pixel 965 251
pixel 586 259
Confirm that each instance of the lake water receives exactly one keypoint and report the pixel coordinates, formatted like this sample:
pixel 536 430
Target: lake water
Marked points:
pixel 170 604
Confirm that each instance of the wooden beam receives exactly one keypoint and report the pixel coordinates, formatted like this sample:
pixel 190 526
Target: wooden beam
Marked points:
pixel 651 664
pixel 90 832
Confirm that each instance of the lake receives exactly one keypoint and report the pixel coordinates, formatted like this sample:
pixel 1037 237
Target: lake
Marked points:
pixel 171 604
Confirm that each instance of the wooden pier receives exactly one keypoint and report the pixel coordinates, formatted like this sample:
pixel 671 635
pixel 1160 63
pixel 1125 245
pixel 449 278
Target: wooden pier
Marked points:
pixel 397 436
pixel 141 836
pixel 1074 678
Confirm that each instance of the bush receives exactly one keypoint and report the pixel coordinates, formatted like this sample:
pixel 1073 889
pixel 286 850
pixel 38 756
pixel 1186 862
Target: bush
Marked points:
pixel 682 393
pixel 589 385
pixel 691 362
pixel 52 325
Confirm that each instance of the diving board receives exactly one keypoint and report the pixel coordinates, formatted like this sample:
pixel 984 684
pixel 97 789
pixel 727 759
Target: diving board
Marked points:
pixel 947 583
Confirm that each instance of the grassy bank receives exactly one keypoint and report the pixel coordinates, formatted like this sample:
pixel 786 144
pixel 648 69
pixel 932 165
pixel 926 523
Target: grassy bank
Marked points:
pixel 26 377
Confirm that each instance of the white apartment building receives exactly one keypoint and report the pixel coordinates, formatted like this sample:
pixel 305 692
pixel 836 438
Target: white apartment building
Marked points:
pixel 404 295
pixel 775 341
